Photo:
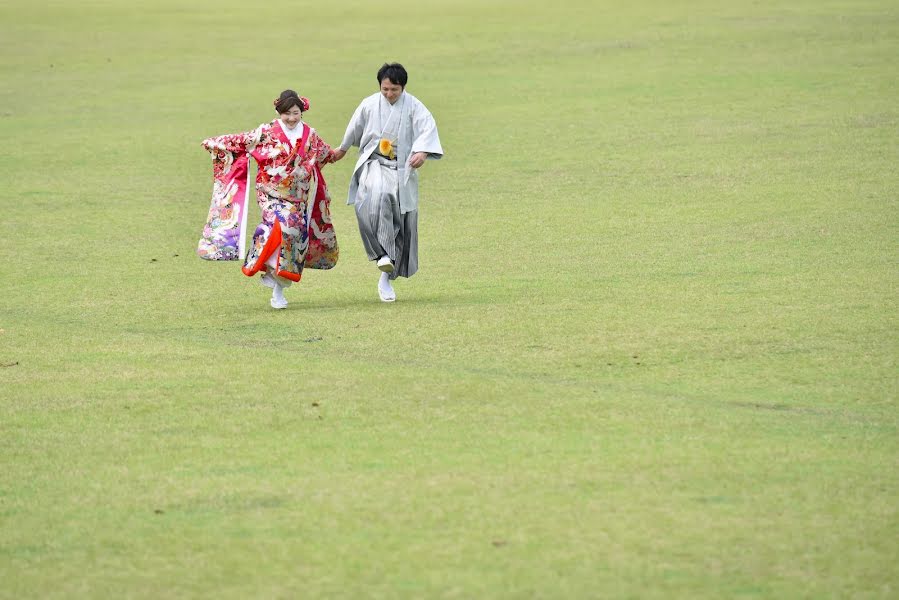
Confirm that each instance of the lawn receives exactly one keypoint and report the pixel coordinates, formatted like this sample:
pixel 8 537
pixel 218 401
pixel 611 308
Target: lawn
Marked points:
pixel 651 351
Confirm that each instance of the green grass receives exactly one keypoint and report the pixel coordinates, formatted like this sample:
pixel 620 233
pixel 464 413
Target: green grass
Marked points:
pixel 651 351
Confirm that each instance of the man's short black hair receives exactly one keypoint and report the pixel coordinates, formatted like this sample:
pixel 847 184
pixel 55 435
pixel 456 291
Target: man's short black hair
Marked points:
pixel 394 72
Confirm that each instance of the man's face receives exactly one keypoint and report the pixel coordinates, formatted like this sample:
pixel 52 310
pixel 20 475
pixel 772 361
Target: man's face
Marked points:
pixel 391 90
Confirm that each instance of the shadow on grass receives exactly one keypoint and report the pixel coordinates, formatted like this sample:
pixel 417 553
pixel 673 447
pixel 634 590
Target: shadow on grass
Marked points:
pixel 372 301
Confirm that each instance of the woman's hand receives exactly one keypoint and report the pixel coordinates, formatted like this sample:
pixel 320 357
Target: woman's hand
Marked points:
pixel 336 155
pixel 418 159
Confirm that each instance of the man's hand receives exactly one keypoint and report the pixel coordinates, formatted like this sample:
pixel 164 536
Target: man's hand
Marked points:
pixel 418 159
pixel 337 155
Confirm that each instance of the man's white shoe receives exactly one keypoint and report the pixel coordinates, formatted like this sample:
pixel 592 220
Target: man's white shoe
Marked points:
pixel 268 281
pixel 385 264
pixel 279 304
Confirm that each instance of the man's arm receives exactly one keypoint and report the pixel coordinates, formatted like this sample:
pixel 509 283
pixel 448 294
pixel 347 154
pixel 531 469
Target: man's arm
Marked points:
pixel 426 141
pixel 354 130
pixel 353 135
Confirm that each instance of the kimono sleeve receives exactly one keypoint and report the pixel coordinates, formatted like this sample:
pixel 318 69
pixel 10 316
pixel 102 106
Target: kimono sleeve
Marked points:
pixel 354 130
pixel 318 148
pixel 232 142
pixel 424 132
pixel 224 236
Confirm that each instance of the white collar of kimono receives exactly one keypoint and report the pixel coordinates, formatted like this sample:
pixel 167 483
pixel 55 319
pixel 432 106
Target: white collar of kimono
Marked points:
pixel 292 134
pixel 396 107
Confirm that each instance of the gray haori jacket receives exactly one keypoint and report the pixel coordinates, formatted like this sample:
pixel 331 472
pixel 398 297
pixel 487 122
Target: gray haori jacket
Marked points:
pixel 417 133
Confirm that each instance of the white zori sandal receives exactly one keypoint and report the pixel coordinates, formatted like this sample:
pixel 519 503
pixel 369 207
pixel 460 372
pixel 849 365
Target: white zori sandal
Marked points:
pixel 385 264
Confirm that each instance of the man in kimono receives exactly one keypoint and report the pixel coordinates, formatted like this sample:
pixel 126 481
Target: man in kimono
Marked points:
pixel 395 134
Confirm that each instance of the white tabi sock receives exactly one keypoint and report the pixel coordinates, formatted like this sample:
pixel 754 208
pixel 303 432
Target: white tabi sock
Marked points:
pixel 278 300
pixel 278 293
pixel 385 289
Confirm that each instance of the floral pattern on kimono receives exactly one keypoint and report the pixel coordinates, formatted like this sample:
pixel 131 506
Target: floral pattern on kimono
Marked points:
pixel 291 192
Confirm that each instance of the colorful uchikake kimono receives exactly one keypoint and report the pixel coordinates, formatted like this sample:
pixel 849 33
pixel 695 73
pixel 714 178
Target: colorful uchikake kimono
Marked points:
pixel 296 220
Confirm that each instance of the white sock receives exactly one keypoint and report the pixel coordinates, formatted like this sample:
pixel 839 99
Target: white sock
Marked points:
pixel 385 289
pixel 278 293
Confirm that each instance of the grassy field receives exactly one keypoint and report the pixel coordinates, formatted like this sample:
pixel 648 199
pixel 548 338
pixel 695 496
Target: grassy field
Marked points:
pixel 651 351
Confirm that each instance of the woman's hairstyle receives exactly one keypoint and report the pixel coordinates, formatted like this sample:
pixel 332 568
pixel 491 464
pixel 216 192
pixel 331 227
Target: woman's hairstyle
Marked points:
pixel 394 72
pixel 288 99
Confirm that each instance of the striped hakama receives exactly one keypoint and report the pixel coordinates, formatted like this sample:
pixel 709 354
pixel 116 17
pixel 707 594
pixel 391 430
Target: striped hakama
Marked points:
pixel 384 228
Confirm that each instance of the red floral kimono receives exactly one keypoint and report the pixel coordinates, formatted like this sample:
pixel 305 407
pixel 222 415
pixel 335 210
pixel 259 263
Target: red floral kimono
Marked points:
pixel 291 192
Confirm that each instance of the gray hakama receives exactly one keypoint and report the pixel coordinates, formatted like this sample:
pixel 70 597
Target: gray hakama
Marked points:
pixel 384 228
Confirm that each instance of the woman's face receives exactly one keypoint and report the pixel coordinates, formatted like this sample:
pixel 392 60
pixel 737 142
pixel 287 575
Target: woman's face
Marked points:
pixel 391 90
pixel 292 117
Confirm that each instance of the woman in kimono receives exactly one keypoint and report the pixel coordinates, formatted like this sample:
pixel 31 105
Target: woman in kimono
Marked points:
pixel 395 134
pixel 296 229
